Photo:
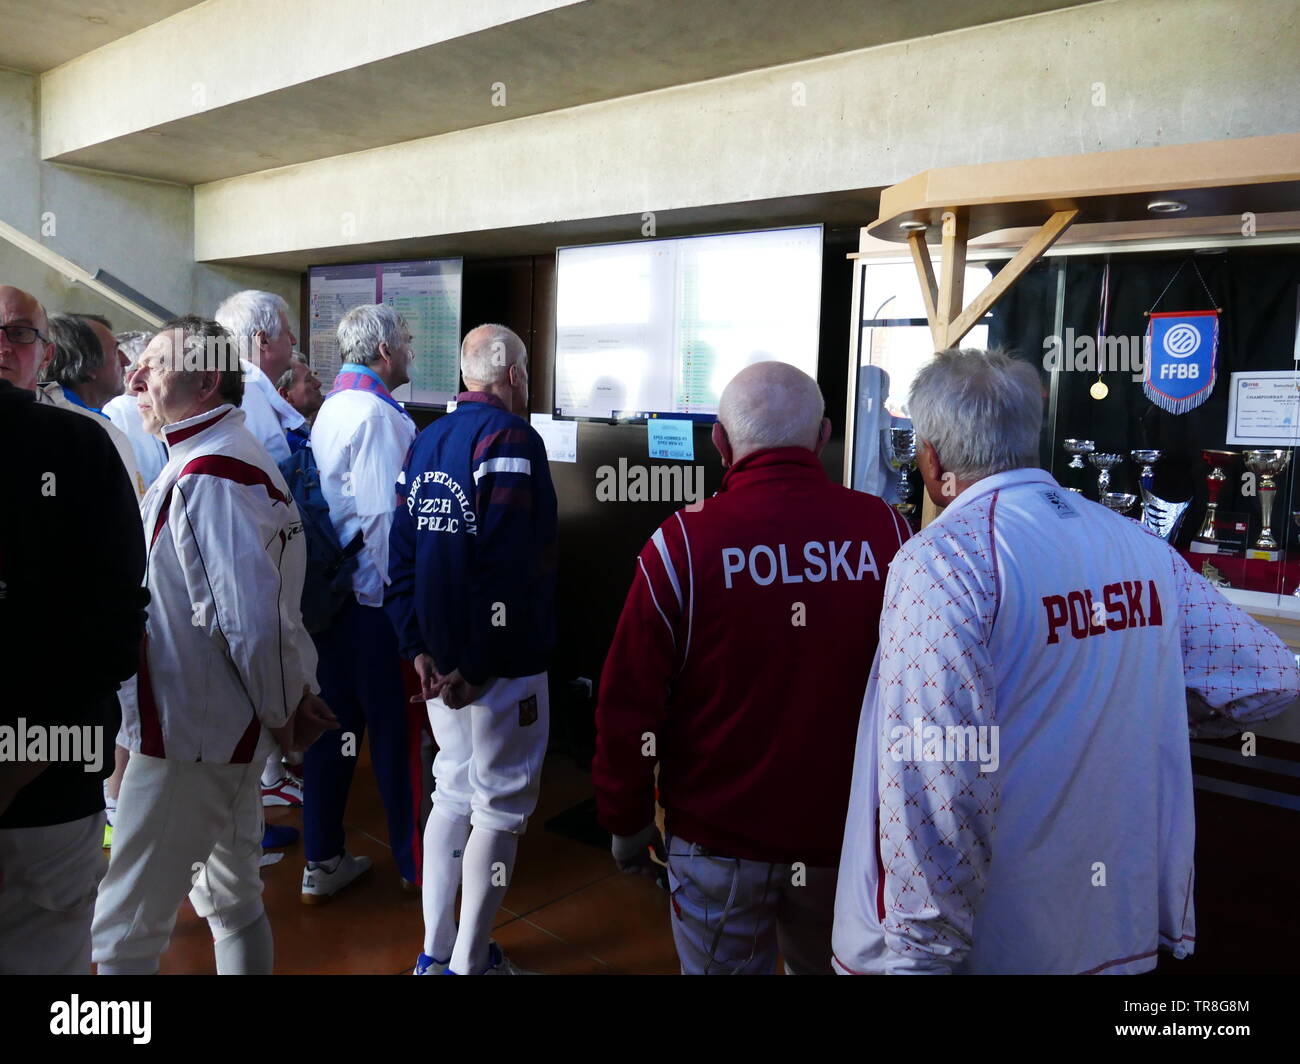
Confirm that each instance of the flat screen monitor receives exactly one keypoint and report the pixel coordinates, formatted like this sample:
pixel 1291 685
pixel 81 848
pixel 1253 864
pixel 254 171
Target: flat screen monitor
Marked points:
pixel 657 328
pixel 426 292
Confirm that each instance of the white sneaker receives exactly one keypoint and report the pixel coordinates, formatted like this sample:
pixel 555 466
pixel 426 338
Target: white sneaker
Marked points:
pixel 284 792
pixel 320 883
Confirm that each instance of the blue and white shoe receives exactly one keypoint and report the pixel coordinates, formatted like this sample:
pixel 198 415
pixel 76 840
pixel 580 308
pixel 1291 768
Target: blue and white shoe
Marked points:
pixel 498 963
pixel 426 965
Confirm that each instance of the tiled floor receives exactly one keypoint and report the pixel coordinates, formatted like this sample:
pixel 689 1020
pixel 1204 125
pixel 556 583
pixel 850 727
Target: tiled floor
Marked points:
pixel 568 911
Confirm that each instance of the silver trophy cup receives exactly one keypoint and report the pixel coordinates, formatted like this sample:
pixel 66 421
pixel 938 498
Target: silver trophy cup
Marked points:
pixel 1119 501
pixel 1266 465
pixel 1104 463
pixel 1077 449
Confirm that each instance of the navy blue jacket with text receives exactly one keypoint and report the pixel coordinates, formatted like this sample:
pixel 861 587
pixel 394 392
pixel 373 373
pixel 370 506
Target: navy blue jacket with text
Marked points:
pixel 472 550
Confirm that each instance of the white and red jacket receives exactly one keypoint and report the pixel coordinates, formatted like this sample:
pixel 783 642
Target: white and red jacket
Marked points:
pixel 1022 794
pixel 743 649
pixel 225 656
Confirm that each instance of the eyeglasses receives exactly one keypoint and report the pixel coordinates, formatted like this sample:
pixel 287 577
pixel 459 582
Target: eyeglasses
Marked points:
pixel 22 334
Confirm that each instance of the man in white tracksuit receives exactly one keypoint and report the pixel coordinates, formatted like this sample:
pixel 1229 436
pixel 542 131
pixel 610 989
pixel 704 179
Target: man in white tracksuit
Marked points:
pixel 225 668
pixel 1022 798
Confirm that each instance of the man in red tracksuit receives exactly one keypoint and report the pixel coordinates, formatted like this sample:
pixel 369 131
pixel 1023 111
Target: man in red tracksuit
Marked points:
pixel 738 667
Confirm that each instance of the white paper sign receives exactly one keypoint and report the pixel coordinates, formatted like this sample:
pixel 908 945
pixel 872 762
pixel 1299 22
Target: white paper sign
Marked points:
pixel 560 437
pixel 1264 409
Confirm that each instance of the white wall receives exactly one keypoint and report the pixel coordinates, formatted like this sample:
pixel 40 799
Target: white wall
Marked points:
pixel 140 231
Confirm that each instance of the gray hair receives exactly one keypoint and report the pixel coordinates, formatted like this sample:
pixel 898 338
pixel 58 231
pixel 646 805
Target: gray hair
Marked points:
pixel 206 346
pixel 364 328
pixel 247 313
pixel 982 411
pixel 488 352
pixel 78 355
pixel 771 404
pixel 286 378
pixel 133 343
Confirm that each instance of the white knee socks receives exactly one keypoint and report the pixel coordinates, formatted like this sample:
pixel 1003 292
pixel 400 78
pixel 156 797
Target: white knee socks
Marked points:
pixel 489 861
pixel 248 951
pixel 444 849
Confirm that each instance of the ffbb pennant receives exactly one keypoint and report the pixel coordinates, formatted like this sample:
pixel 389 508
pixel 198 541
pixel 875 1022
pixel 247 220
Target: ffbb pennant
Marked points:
pixel 1181 358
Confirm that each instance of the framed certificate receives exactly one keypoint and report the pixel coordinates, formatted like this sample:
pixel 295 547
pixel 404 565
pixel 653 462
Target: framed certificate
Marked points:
pixel 1264 409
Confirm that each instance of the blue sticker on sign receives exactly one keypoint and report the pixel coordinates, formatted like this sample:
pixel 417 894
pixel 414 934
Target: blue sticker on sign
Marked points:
pixel 671 439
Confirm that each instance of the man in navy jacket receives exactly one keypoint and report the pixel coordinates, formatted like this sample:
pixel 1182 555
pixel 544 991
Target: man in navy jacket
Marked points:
pixel 471 595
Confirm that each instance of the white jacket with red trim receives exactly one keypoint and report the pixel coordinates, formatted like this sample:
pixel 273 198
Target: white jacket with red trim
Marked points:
pixel 225 656
pixel 1023 758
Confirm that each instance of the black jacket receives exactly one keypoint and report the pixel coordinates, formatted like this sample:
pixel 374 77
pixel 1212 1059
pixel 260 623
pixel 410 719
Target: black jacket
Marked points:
pixel 72 604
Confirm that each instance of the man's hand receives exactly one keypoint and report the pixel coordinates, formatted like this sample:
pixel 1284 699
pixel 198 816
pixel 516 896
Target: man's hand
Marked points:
pixel 635 854
pixel 457 692
pixel 431 681
pixel 310 720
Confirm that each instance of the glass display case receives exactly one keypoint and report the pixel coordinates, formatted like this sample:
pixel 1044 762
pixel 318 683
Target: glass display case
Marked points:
pixel 1223 494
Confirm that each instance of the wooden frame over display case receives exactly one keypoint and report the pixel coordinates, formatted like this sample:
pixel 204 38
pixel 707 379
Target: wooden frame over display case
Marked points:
pixel 1109 192
pixel 1253 175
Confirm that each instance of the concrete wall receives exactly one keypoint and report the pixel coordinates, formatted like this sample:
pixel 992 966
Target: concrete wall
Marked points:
pixel 140 231
pixel 1170 73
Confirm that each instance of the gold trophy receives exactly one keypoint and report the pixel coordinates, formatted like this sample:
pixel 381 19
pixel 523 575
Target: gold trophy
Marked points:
pixel 1207 539
pixel 1266 465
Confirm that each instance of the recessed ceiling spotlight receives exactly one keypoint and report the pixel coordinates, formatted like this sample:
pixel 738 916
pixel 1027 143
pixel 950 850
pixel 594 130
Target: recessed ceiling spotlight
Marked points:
pixel 1166 206
pixel 913 227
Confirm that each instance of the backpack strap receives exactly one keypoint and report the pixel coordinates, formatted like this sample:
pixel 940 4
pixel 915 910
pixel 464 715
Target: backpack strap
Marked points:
pixel 346 555
pixel 354 546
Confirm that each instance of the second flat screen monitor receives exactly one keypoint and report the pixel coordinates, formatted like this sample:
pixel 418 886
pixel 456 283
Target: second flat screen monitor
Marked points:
pixel 657 328
pixel 425 292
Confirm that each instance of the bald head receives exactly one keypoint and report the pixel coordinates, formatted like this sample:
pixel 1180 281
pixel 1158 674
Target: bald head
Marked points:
pixel 488 352
pixel 24 346
pixel 772 404
pixel 494 360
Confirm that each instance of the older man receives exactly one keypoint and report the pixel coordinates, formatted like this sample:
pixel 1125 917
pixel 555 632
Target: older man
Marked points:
pixel 85 373
pixel 360 439
pixel 259 324
pixel 301 389
pixel 25 345
pixel 738 667
pixel 224 667
pixel 472 598
pixel 1022 797
pixel 122 411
